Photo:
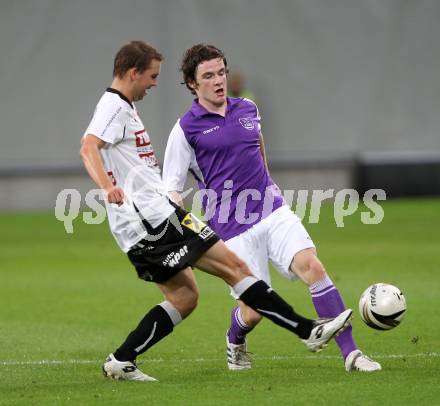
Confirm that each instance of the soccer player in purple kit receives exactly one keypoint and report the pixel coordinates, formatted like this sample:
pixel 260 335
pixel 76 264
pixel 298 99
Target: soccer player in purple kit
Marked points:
pixel 161 240
pixel 219 141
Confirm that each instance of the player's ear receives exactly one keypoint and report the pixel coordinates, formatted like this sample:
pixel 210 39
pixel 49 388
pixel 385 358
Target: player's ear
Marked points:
pixel 192 84
pixel 132 73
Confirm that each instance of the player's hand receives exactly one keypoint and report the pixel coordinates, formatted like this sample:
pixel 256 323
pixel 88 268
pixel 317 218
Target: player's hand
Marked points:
pixel 115 195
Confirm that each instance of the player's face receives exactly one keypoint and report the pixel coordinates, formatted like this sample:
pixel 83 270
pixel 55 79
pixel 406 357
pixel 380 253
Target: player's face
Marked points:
pixel 146 80
pixel 210 84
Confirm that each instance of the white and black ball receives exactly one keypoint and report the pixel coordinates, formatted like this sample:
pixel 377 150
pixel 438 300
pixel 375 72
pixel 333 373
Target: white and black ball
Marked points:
pixel 382 306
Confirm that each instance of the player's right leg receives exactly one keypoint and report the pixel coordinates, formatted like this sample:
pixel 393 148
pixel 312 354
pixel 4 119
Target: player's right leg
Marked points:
pixel 243 320
pixel 250 247
pixel 221 262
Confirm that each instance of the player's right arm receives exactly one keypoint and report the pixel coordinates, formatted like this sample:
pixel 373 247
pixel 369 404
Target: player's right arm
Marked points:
pixel 176 163
pixel 91 156
pixel 106 128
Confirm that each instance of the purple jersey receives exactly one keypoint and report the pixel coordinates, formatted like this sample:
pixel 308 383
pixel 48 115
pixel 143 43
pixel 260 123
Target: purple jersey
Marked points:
pixel 224 155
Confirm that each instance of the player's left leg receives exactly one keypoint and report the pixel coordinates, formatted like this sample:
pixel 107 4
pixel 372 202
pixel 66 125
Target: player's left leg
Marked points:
pixel 328 302
pixel 325 296
pixel 294 255
pixel 181 294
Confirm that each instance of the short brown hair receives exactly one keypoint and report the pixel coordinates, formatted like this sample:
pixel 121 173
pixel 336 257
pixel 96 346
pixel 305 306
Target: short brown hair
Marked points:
pixel 196 55
pixel 136 54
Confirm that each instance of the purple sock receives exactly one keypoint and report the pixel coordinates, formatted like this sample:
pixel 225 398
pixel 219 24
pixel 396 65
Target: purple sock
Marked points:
pixel 238 328
pixel 328 303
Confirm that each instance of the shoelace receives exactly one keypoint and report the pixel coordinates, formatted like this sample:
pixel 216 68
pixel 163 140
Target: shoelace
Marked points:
pixel 245 356
pixel 365 357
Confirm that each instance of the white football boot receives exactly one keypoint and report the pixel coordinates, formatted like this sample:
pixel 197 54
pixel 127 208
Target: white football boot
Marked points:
pixel 124 370
pixel 357 361
pixel 238 357
pixel 325 329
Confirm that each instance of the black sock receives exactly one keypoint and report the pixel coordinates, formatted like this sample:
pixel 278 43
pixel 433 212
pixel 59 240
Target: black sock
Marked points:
pixel 156 325
pixel 259 296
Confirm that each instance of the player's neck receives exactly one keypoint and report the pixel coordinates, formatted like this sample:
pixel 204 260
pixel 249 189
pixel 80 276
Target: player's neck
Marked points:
pixel 214 108
pixel 122 87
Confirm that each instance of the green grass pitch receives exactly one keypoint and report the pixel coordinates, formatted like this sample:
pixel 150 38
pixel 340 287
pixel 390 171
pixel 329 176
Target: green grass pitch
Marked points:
pixel 67 300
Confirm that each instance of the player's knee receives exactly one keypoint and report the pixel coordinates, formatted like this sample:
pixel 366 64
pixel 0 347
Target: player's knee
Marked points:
pixel 185 302
pixel 316 266
pixel 309 268
pixel 241 268
pixel 315 270
pixel 233 269
pixel 191 300
pixel 191 307
pixel 187 307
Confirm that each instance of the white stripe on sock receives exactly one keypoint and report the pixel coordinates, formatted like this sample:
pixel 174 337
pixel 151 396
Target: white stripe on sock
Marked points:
pixel 141 347
pixel 240 287
pixel 240 321
pixel 320 285
pixel 287 321
pixel 323 293
pixel 174 314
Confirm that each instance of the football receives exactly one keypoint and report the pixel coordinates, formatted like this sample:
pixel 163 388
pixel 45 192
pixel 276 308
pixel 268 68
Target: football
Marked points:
pixel 382 306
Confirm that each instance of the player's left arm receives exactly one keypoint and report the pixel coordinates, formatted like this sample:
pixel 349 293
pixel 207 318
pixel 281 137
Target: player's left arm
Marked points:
pixel 263 151
pixel 257 116
pixel 176 163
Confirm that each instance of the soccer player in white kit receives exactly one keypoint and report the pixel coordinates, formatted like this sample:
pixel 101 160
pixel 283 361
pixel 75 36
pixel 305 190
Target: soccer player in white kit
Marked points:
pixel 161 240
pixel 219 141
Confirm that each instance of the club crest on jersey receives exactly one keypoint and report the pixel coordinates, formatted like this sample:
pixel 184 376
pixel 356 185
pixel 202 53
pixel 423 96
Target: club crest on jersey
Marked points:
pixel 247 123
pixel 193 223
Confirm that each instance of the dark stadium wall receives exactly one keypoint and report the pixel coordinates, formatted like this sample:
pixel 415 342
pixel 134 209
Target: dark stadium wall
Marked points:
pixel 332 79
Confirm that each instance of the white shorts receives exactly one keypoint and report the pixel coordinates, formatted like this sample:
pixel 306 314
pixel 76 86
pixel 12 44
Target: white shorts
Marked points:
pixel 277 238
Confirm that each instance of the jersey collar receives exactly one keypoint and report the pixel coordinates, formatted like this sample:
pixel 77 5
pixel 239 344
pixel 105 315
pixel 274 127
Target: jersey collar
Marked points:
pixel 111 90
pixel 199 111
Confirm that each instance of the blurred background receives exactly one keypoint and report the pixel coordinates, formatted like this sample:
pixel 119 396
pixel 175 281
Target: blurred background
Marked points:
pixel 349 90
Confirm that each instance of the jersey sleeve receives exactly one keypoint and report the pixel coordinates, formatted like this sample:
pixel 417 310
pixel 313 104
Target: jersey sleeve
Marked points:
pixel 177 160
pixel 257 113
pixel 108 123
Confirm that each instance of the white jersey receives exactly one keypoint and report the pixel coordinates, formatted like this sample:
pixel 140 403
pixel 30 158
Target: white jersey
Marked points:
pixel 131 164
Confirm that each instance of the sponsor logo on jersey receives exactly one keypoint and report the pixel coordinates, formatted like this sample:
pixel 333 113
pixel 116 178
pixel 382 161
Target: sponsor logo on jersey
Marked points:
pixel 173 258
pixel 210 130
pixel 247 123
pixel 207 232
pixel 198 226
pixel 193 223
